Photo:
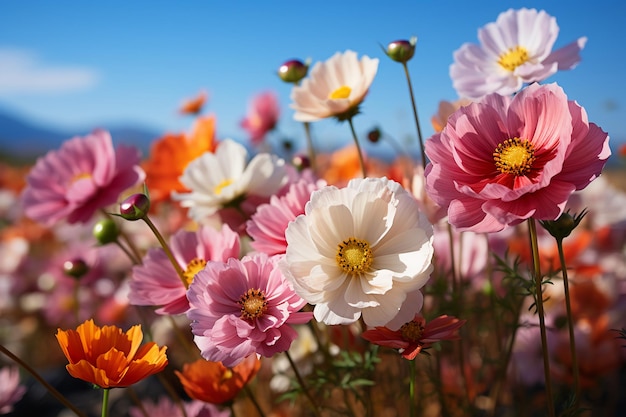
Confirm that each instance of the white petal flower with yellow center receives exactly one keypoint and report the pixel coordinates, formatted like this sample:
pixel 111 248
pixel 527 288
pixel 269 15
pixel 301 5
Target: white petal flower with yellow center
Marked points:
pixel 334 88
pixel 222 178
pixel 513 50
pixel 359 250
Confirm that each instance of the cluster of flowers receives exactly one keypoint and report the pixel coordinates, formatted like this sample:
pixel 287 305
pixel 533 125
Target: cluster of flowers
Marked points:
pixel 259 256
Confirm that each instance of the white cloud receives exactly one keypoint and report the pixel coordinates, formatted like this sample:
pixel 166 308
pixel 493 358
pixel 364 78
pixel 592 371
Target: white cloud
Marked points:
pixel 22 72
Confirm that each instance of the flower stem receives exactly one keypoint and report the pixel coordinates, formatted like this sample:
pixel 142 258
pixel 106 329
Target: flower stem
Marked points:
pixel 570 323
pixel 412 381
pixel 167 250
pixel 532 230
pixel 358 147
pixel 254 400
pixel 105 402
pixel 417 123
pixel 302 384
pixel 309 143
pixel 42 381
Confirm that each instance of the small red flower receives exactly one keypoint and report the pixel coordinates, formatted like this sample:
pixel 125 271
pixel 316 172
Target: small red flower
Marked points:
pixel 415 335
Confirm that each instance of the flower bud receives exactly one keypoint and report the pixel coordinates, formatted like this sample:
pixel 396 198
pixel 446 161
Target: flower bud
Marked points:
pixel 293 71
pixel 402 50
pixel 75 268
pixel 374 135
pixel 135 207
pixel 106 231
pixel 564 225
pixel 301 162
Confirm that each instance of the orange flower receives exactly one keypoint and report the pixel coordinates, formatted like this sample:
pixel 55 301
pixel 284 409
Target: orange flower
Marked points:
pixel 170 155
pixel 194 105
pixel 109 358
pixel 214 383
pixel 445 109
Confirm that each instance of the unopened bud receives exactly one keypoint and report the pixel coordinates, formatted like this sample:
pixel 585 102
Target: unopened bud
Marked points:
pixel 374 135
pixel 293 71
pixel 106 231
pixel 75 268
pixel 402 50
pixel 301 162
pixel 135 207
pixel 564 225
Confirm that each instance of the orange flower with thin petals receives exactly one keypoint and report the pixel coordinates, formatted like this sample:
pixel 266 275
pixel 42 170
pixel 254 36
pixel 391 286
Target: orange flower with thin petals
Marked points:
pixel 194 105
pixel 170 155
pixel 214 383
pixel 109 358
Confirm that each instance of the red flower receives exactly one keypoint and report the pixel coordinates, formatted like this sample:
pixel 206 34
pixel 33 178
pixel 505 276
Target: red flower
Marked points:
pixel 415 335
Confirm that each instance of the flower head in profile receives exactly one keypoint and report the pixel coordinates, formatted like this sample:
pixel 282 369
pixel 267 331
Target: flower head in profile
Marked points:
pixel 504 160
pixel 225 178
pixel 85 175
pixel 334 88
pixel 243 307
pixel 267 226
pixel 515 49
pixel 109 358
pixel 10 389
pixel 360 250
pixel 214 383
pixel 155 282
pixel 262 116
pixel 415 335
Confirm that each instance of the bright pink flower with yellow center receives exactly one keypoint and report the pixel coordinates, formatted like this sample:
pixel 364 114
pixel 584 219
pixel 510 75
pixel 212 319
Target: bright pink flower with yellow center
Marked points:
pixel 504 160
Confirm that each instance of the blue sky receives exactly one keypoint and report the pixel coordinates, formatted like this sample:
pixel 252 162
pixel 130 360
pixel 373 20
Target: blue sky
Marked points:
pixel 76 65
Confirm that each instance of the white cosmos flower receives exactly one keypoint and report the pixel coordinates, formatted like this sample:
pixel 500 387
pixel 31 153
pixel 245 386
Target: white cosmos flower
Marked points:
pixel 360 250
pixel 216 179
pixel 335 87
pixel 513 50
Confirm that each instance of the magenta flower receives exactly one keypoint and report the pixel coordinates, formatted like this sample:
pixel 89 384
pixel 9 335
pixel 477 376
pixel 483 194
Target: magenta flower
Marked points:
pixel 267 226
pixel 86 174
pixel 262 116
pixel 415 335
pixel 10 389
pixel 156 282
pixel 504 160
pixel 243 307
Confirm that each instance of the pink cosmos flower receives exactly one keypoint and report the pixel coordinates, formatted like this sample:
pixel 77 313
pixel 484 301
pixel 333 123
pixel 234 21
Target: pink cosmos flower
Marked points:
pixel 83 176
pixel 267 226
pixel 156 283
pixel 415 335
pixel 262 117
pixel 10 389
pixel 504 160
pixel 243 307
pixel 165 407
pixel 514 50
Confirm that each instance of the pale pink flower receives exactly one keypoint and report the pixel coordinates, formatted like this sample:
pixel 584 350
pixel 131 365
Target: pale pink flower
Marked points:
pixel 10 389
pixel 243 307
pixel 262 117
pixel 165 407
pixel 415 335
pixel 514 50
pixel 156 283
pixel 504 160
pixel 85 175
pixel 267 226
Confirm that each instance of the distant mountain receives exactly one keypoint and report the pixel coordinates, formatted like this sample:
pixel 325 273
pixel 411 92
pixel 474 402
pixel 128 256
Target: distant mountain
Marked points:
pixel 24 140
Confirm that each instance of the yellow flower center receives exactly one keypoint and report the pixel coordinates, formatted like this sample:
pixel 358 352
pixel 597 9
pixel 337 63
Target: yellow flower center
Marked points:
pixel 253 304
pixel 514 156
pixel 219 187
pixel 513 58
pixel 354 256
pixel 226 375
pixel 195 265
pixel 80 176
pixel 412 331
pixel 342 92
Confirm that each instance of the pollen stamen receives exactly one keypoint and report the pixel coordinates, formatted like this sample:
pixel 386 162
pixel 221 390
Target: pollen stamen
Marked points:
pixel 253 304
pixel 514 156
pixel 513 58
pixel 412 331
pixel 219 187
pixel 193 267
pixel 342 92
pixel 354 256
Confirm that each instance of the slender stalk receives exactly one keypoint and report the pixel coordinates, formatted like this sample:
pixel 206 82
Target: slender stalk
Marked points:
pixel 167 250
pixel 254 400
pixel 570 323
pixel 417 123
pixel 105 402
pixel 231 407
pixel 358 147
pixel 532 230
pixel 42 381
pixel 131 256
pixel 302 383
pixel 310 147
pixel 412 382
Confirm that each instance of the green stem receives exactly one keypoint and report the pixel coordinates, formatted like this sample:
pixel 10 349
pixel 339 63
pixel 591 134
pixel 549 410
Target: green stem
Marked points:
pixel 570 323
pixel 302 384
pixel 311 149
pixel 167 250
pixel 417 123
pixel 358 147
pixel 532 230
pixel 412 382
pixel 42 381
pixel 105 402
pixel 254 400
